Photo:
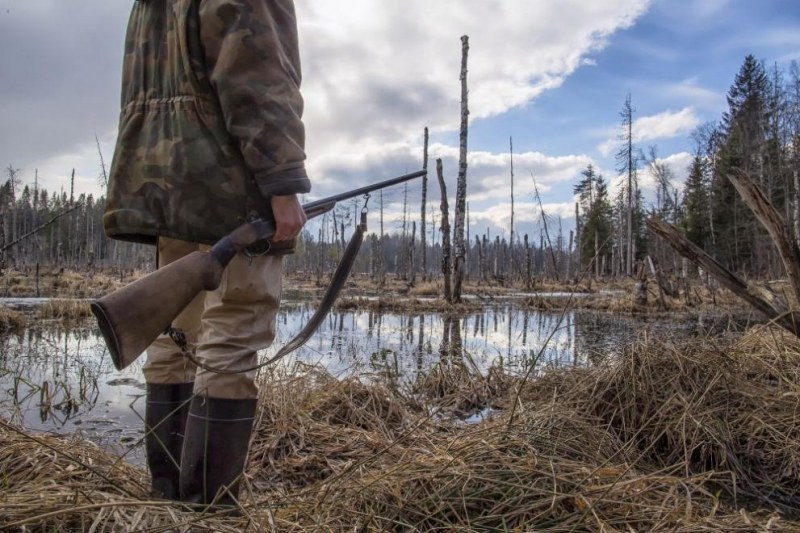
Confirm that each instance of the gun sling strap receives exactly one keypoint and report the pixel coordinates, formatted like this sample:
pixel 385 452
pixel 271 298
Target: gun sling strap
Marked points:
pixel 337 282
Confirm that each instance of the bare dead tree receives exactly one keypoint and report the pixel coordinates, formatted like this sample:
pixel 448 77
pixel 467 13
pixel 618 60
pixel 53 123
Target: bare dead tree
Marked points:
pixel 528 265
pixel 103 177
pixel 381 264
pixel 769 217
pixel 423 243
pixel 445 228
pixel 461 184
pixel 511 255
pixel 569 256
pixel 546 231
pixel 773 305
pixel 578 230
pixel 412 274
pixel 402 268
pixel 467 264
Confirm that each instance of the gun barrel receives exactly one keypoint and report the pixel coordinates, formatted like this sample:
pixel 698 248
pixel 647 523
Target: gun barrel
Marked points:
pixel 311 206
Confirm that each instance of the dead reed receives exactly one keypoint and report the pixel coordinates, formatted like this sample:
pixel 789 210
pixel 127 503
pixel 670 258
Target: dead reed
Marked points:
pixel 65 309
pixel 700 406
pixel 66 484
pixel 64 283
pixel 11 320
pixel 692 437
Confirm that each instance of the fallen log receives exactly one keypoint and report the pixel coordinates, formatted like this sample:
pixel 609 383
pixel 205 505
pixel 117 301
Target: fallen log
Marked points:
pixel 764 300
pixel 772 221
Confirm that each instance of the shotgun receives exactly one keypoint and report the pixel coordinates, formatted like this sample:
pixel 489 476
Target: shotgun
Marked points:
pixel 132 317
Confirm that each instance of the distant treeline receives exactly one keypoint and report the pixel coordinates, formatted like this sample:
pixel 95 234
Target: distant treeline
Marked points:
pixel 759 134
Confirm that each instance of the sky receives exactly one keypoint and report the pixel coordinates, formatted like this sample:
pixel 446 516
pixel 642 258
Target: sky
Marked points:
pixel 550 76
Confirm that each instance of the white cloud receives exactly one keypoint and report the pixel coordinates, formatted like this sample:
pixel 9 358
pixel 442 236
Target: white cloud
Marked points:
pixel 678 166
pixel 377 73
pixel 665 125
pixel 489 174
pixel 700 97
pixel 526 216
pixel 55 172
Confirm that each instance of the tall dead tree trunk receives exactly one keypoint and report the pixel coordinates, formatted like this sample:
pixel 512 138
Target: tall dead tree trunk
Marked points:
pixel 373 263
pixel 546 231
pixel 569 257
pixel 597 256
pixel 511 241
pixel 461 185
pixel 412 271
pixel 578 235
pixel 423 249
pixel 528 265
pixel 381 262
pixel 445 228
pixel 402 268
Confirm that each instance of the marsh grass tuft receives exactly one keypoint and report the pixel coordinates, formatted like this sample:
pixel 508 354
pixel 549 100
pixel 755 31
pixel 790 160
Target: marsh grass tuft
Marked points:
pixel 65 309
pixel 11 320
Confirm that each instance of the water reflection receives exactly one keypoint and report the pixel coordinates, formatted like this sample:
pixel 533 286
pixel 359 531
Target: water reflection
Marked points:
pixel 409 344
pixel 61 379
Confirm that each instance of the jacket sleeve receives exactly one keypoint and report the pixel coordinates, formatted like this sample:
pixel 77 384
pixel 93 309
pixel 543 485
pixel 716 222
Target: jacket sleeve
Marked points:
pixel 253 64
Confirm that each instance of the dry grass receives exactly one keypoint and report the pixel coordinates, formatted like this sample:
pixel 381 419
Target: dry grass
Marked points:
pixel 703 406
pixel 58 485
pixel 696 437
pixel 395 295
pixel 65 309
pixel 427 288
pixel 11 320
pixel 63 283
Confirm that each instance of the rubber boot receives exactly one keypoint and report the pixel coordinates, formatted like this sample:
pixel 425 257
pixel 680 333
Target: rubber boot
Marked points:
pixel 165 417
pixel 215 449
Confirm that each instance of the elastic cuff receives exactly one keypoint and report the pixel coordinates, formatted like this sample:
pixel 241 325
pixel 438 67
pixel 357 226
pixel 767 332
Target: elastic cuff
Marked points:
pixel 284 182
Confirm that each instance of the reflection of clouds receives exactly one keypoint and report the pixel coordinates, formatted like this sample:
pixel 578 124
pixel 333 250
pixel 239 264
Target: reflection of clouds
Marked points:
pixel 61 379
pixel 503 333
pixel 489 337
pixel 370 344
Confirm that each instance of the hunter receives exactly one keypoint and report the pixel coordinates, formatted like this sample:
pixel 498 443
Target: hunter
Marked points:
pixel 210 136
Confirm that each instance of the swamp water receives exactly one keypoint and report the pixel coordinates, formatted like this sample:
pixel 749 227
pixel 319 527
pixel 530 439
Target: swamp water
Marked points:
pixel 60 379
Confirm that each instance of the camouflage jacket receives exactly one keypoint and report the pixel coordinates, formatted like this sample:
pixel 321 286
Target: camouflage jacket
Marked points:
pixel 211 123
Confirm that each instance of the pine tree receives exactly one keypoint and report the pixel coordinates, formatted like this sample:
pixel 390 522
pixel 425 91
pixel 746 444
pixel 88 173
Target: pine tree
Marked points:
pixel 694 221
pixel 737 243
pixel 596 221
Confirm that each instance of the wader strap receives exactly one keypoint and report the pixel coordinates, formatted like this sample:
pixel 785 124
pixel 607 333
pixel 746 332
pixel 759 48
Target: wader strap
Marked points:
pixel 328 299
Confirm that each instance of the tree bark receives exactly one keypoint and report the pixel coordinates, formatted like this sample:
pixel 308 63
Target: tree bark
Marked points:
pixel 445 228
pixel 780 233
pixel 511 240
pixel 423 243
pixel 461 185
